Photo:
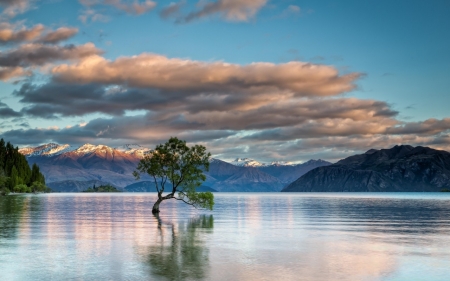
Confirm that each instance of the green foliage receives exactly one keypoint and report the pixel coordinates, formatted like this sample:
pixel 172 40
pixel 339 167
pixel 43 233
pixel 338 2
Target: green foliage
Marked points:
pixel 15 168
pixel 14 179
pixel 445 190
pixel 3 179
pixel 180 166
pixel 102 188
pixel 36 175
pixel 201 199
pixel 38 186
pixel 22 188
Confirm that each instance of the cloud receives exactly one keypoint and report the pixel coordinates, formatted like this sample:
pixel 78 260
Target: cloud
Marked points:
pixel 7 112
pixel 230 10
pixel 289 111
pixel 14 62
pixel 227 144
pixel 318 115
pixel 289 130
pixel 93 16
pixel 15 33
pixel 204 111
pixel 134 7
pixel 293 9
pixel 37 48
pixel 9 33
pixel 227 106
pixel 172 10
pixel 110 130
pixel 429 126
pixel 11 8
pixel 61 34
pixel 38 54
pixel 187 76
pixel 8 73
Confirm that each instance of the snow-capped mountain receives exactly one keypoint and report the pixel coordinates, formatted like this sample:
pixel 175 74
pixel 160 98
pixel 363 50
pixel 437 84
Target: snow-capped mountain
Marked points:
pixel 281 163
pixel 65 166
pixel 53 149
pixel 85 163
pixel 246 162
pixel 90 148
pixel 134 149
pixel 50 149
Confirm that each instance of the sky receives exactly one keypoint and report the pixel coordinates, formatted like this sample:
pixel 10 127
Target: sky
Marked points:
pixel 269 80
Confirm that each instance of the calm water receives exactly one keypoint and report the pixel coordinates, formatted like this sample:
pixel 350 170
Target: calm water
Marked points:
pixel 247 237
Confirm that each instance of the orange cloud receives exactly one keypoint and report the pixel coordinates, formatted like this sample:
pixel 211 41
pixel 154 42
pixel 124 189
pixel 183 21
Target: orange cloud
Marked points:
pixel 231 10
pixel 8 33
pixel 160 72
pixel 11 33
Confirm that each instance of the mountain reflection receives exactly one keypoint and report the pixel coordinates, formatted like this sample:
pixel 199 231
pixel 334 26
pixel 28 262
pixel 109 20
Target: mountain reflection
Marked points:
pixel 180 252
pixel 380 215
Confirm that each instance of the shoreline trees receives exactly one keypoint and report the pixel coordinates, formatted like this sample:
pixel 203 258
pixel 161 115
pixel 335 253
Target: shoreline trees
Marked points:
pixel 16 174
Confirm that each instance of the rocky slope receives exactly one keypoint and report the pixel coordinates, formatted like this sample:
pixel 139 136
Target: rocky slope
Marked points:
pixel 401 168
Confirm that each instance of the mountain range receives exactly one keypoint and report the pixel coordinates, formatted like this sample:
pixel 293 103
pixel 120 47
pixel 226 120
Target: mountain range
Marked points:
pixel 71 169
pixel 401 168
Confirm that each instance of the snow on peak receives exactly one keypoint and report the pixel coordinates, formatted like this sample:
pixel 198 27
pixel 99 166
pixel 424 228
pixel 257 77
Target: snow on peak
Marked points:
pixel 246 162
pixel 53 149
pixel 49 149
pixel 134 149
pixel 214 160
pixel 281 163
pixel 89 148
pixel 128 147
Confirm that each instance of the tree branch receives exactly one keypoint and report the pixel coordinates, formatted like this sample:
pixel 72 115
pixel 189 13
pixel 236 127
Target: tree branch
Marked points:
pixel 164 183
pixel 156 183
pixel 181 199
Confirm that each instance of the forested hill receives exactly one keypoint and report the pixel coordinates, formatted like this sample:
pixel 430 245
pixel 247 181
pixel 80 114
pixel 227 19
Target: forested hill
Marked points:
pixel 15 172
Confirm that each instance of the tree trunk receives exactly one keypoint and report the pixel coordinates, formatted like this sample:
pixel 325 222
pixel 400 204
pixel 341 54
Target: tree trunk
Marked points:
pixel 155 209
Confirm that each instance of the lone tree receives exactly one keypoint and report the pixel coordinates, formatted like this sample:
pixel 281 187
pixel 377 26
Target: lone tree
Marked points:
pixel 182 167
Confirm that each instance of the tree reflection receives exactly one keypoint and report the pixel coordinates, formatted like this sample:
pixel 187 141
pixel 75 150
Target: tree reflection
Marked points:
pixel 184 256
pixel 11 209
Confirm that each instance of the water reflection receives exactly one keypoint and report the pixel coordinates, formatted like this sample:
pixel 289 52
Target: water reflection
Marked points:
pixel 250 237
pixel 180 252
pixel 11 209
pixel 403 217
pixel 332 238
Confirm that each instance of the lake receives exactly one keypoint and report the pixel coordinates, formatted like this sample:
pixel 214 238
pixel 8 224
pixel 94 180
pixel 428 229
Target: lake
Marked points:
pixel 248 236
